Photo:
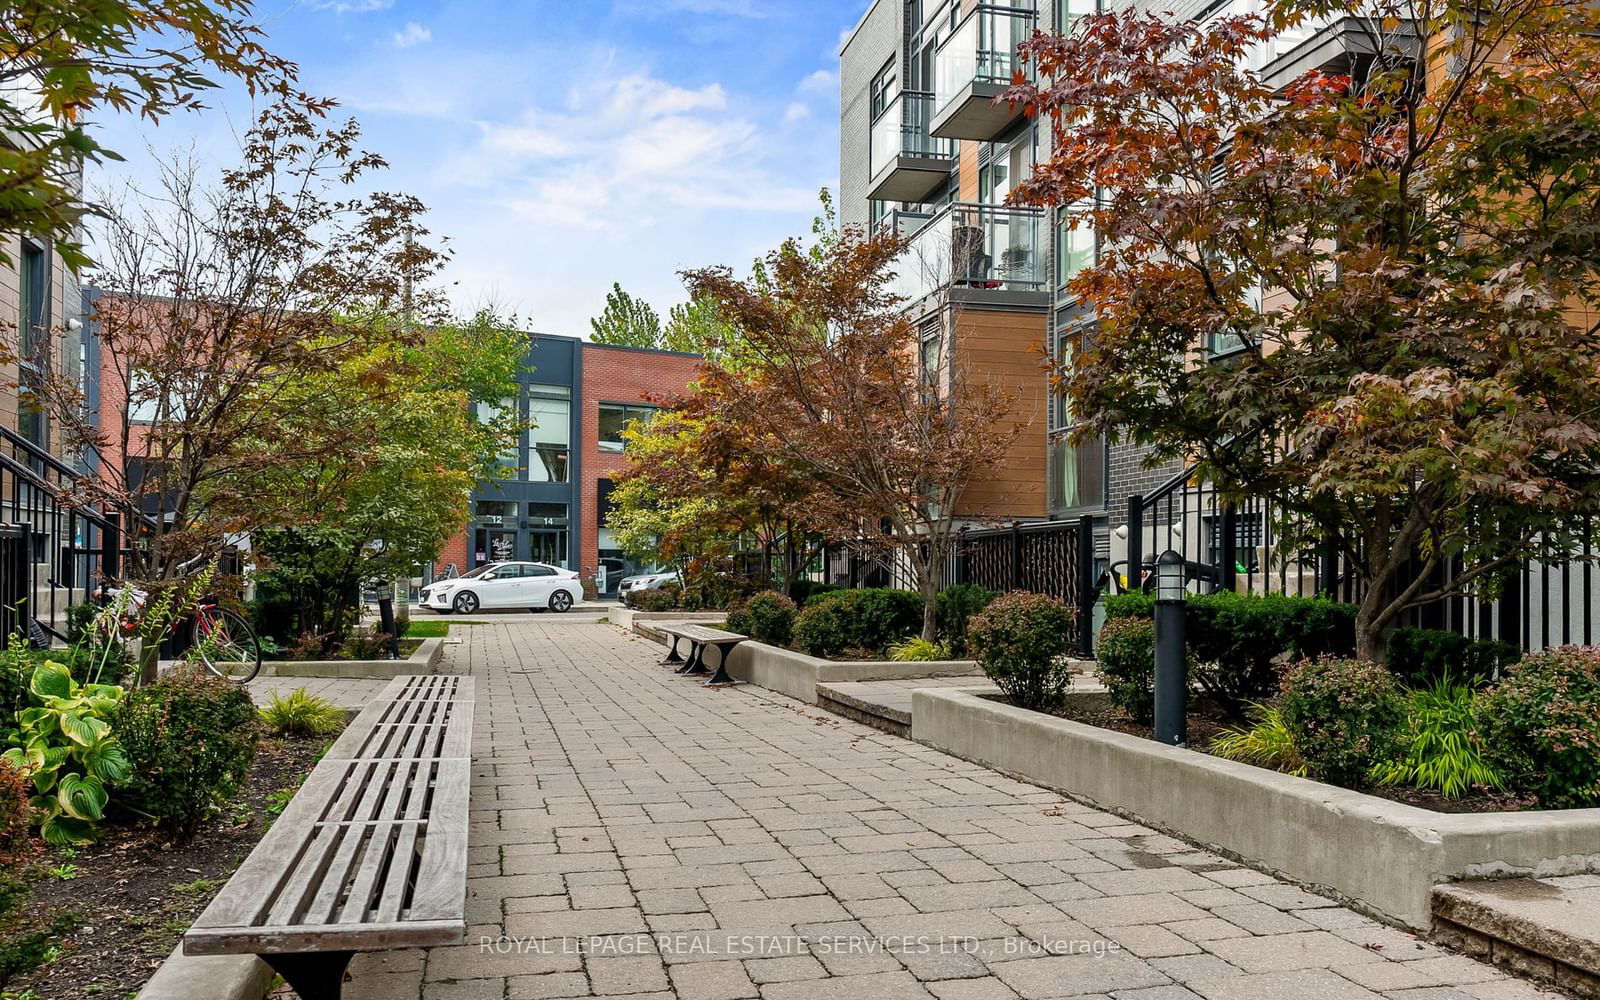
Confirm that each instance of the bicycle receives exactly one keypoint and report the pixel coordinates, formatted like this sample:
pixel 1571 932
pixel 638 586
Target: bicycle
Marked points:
pixel 222 638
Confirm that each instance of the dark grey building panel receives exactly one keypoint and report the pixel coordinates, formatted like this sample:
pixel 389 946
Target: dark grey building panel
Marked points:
pixel 877 39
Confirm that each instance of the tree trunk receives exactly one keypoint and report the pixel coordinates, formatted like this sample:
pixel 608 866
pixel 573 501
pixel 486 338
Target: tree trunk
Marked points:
pixel 1370 632
pixel 928 587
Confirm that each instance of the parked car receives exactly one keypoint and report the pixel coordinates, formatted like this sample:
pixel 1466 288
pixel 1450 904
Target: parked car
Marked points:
pixel 535 586
pixel 617 570
pixel 644 581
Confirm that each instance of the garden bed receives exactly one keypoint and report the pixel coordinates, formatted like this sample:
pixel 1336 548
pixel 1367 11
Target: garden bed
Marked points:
pixel 423 658
pixel 1206 723
pixel 1382 856
pixel 135 893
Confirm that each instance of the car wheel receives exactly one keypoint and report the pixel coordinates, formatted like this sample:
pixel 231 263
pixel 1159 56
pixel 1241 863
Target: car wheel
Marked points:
pixel 560 601
pixel 465 603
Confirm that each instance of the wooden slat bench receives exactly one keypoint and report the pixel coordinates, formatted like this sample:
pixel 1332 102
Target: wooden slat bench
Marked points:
pixel 699 638
pixel 371 852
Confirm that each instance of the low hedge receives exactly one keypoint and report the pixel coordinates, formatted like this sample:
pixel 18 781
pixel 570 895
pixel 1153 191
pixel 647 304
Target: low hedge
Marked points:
pixel 1344 716
pixel 1421 656
pixel 870 620
pixel 1236 641
pixel 802 591
pixel 956 606
pixel 1127 665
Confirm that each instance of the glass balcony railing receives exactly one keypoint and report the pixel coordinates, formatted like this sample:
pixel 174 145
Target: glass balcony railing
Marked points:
pixel 903 130
pixel 975 246
pixel 981 49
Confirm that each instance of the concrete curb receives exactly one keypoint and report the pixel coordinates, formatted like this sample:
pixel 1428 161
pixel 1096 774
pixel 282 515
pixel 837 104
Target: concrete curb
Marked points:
pixel 211 977
pixel 423 660
pixel 1381 856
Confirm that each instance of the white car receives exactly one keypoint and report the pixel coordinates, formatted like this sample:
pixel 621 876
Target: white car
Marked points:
pixel 531 585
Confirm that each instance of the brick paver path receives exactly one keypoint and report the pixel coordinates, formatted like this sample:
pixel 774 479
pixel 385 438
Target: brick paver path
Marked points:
pixel 636 834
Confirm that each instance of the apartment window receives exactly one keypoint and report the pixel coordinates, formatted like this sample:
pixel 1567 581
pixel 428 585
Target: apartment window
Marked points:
pixel 1075 247
pixel 1224 343
pixel 1077 471
pixel 489 412
pixel 33 274
pixel 877 212
pixel 932 352
pixel 614 419
pixel 550 437
pixel 495 511
pixel 1010 163
pixel 885 88
pixel 547 514
pixel 1067 12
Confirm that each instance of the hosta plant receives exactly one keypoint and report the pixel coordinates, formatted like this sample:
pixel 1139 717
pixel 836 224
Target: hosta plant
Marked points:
pixel 64 744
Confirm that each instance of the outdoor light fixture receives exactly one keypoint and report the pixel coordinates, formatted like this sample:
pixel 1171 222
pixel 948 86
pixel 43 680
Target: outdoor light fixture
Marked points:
pixel 1171 666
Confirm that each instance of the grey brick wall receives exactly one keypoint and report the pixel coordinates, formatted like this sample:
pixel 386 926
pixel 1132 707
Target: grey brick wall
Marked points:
pixel 879 38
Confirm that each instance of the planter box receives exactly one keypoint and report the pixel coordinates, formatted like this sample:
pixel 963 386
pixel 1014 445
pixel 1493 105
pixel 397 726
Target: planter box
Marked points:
pixel 625 618
pixel 1381 856
pixel 423 660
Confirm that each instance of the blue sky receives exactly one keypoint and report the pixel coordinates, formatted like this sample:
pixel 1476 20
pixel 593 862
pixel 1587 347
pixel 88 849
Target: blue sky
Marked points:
pixel 562 146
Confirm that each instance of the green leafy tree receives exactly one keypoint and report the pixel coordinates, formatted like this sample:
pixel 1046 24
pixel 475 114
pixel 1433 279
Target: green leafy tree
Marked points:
pixel 63 61
pixel 1419 390
pixel 626 321
pixel 403 489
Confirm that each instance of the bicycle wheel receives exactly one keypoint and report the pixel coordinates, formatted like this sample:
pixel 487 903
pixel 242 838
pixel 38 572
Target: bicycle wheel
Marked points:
pixel 227 644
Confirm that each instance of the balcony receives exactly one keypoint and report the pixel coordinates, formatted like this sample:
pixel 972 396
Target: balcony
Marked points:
pixel 973 67
pixel 985 247
pixel 908 163
pixel 1347 45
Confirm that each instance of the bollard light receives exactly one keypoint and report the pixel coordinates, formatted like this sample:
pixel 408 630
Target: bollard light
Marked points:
pixel 1171 666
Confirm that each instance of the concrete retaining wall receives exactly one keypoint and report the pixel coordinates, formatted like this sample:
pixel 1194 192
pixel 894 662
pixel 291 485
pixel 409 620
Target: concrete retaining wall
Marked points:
pixel 1382 856
pixel 422 660
pixel 625 618
pixel 211 977
pixel 797 675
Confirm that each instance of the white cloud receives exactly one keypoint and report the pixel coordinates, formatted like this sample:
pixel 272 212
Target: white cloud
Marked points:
pixel 795 112
pixel 412 34
pixel 353 6
pixel 819 81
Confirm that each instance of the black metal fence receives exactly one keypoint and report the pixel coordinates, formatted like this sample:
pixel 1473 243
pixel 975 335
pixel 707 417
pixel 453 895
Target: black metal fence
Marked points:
pixel 1541 603
pixel 1052 557
pixel 53 552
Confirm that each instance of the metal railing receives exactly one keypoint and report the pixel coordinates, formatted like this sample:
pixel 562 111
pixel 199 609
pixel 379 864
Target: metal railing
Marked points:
pixel 53 549
pixel 974 246
pixel 982 49
pixel 903 129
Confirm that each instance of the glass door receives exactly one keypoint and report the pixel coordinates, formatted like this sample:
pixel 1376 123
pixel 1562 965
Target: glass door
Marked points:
pixel 548 547
pixel 494 545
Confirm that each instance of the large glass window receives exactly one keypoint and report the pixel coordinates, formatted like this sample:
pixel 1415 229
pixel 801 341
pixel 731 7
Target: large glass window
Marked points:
pixel 547 514
pixel 1075 247
pixel 489 412
pixel 33 273
pixel 550 438
pixel 614 419
pixel 1067 12
pixel 885 87
pixel 497 511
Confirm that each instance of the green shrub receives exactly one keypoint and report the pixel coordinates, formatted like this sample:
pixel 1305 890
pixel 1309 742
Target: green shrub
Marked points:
pixel 1134 605
pixel 804 590
pixel 667 597
pixel 302 713
pixel 64 743
pixel 739 618
pixel 1439 749
pixel 771 618
pixel 79 619
pixel 1422 656
pixel 955 606
pixel 869 620
pixel 191 737
pixel 1236 641
pixel 918 650
pixel 1345 717
pixel 1021 641
pixel 1265 742
pixel 1540 726
pixel 1127 665
pixel 366 644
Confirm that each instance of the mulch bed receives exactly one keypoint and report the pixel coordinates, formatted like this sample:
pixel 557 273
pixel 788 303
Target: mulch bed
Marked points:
pixel 1206 723
pixel 135 892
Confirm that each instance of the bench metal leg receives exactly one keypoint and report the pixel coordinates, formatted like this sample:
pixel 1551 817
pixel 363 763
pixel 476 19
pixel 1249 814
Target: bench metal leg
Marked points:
pixel 315 975
pixel 673 655
pixel 697 661
pixel 721 676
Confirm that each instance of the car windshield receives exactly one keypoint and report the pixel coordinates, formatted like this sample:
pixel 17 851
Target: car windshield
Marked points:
pixel 474 574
